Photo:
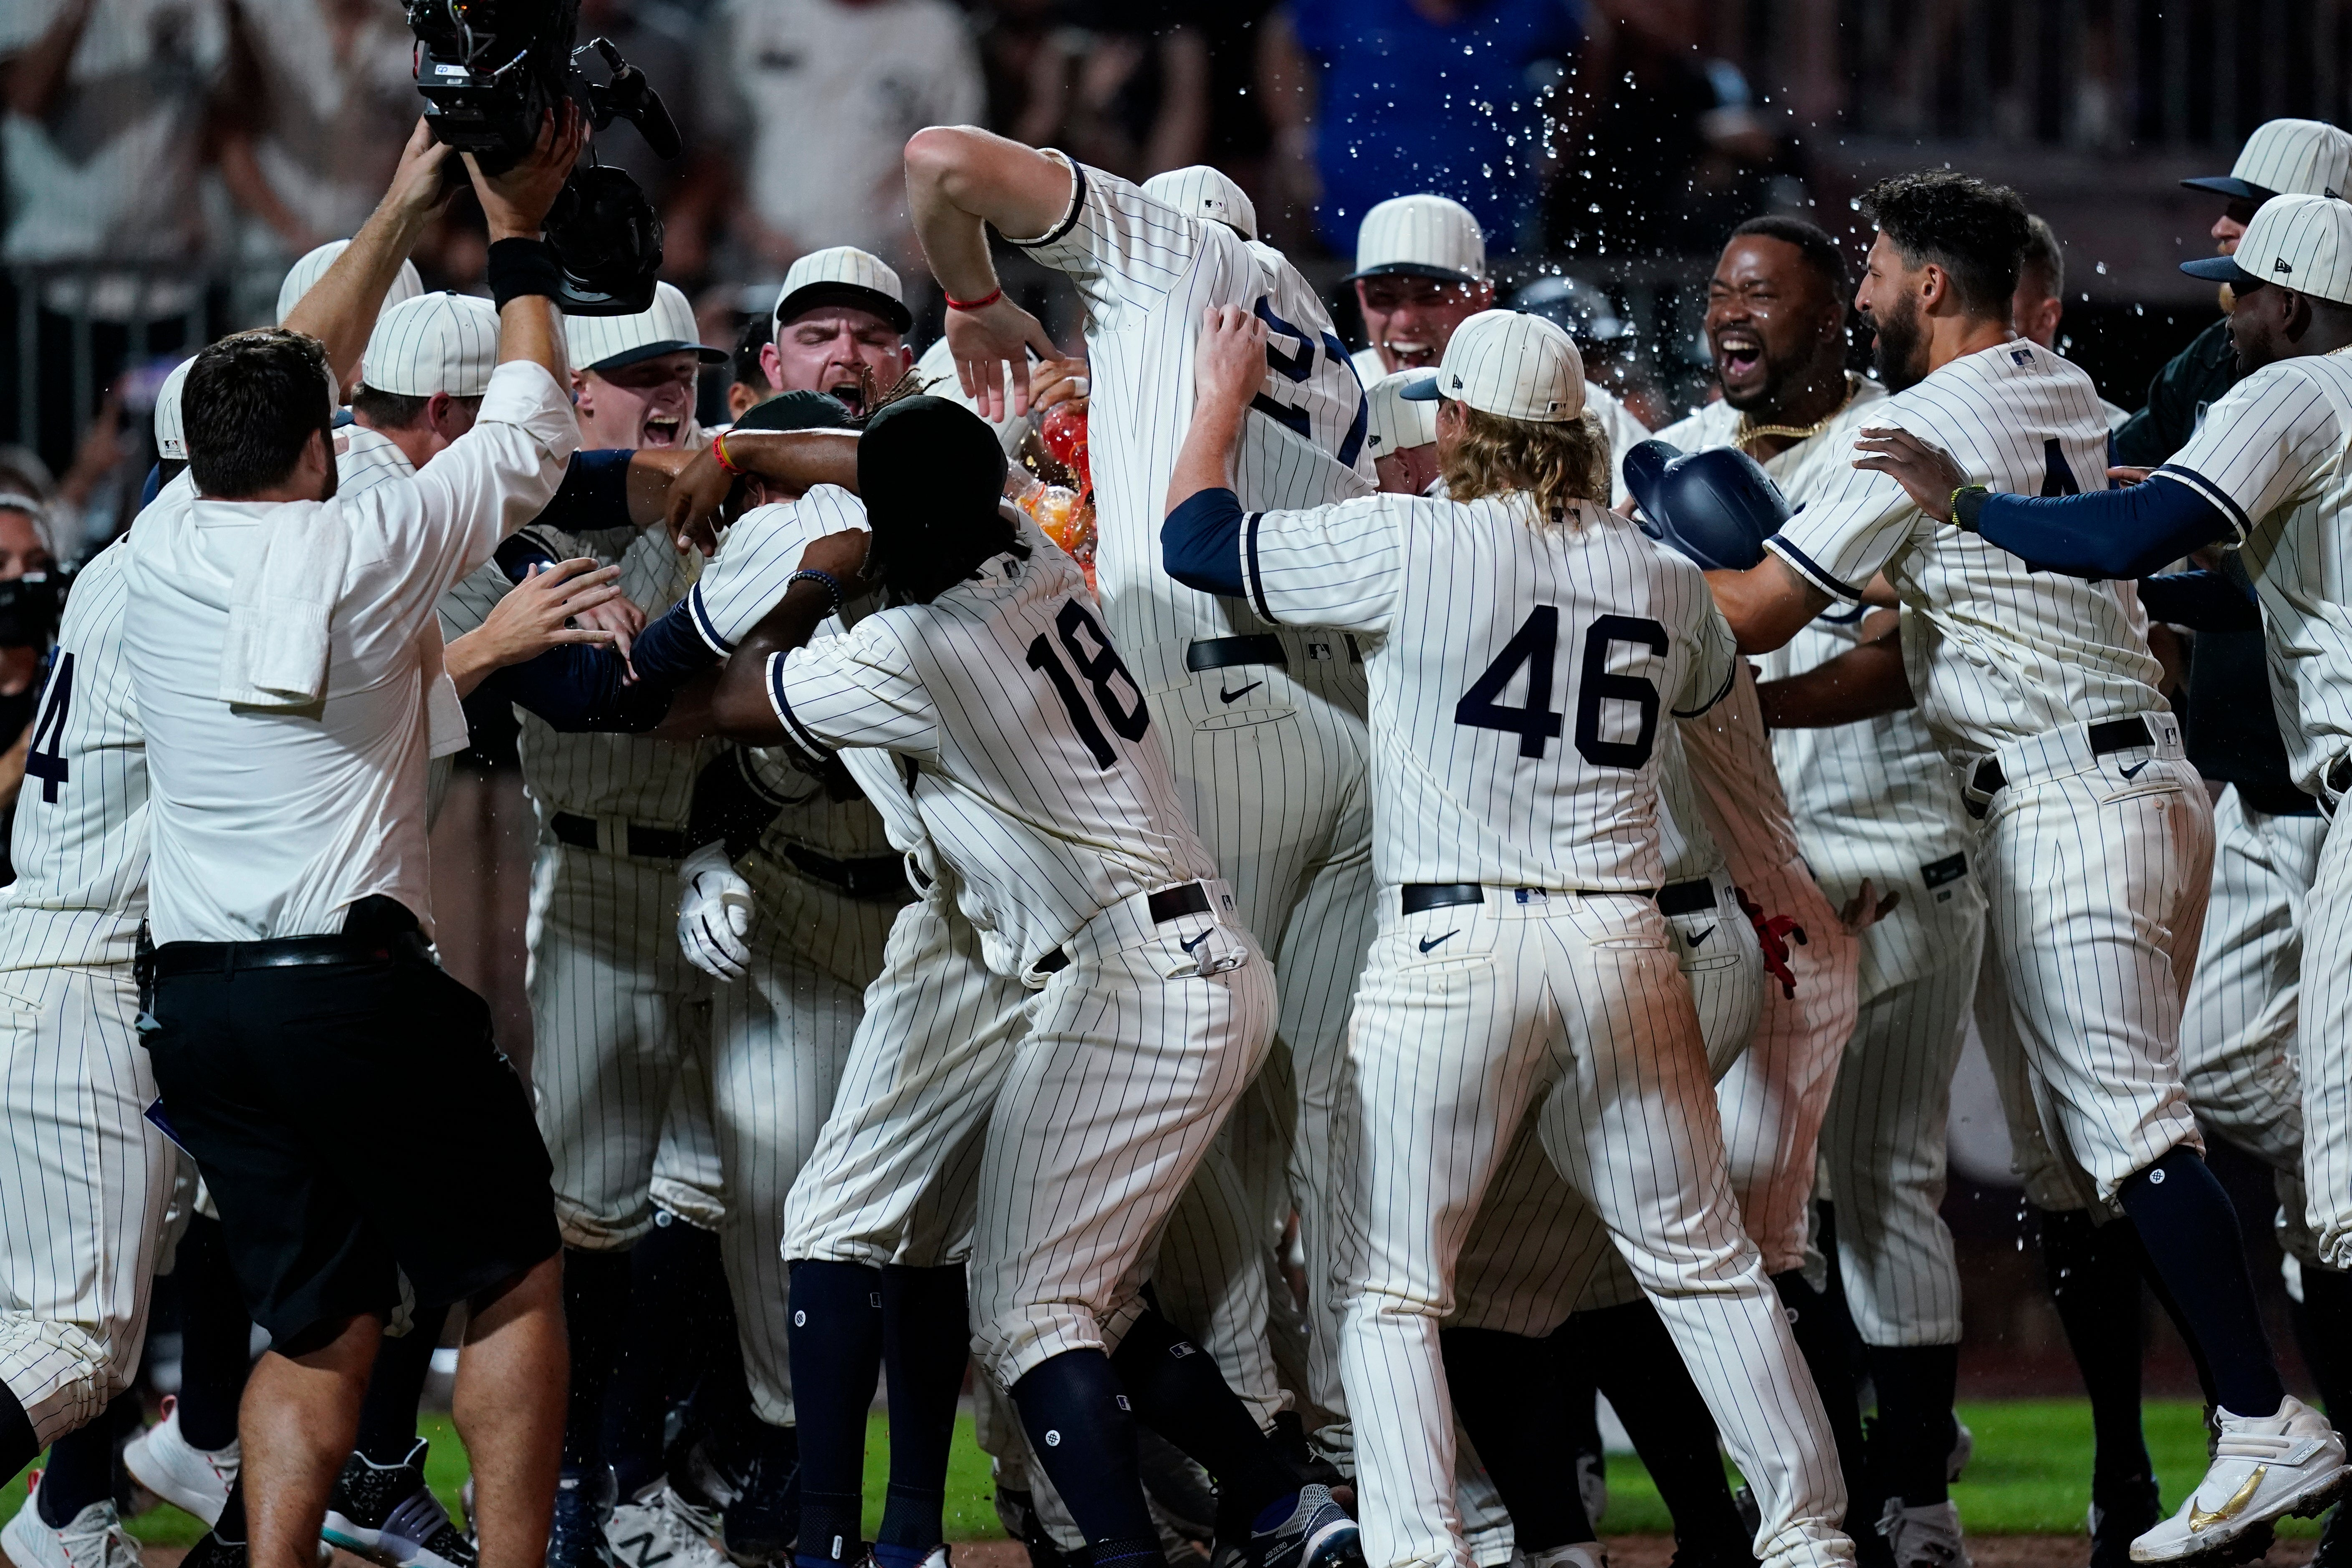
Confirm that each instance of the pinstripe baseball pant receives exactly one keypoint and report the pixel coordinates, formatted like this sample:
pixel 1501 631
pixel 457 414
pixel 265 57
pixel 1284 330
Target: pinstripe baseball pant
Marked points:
pixel 85 1183
pixel 2327 1037
pixel 1133 1060
pixel 1575 1003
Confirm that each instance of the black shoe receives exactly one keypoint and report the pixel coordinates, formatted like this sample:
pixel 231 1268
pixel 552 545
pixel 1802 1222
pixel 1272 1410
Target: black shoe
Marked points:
pixel 759 1525
pixel 1182 1498
pixel 583 1504
pixel 1018 1511
pixel 2121 1511
pixel 2335 1540
pixel 210 1552
pixel 1290 1440
pixel 387 1514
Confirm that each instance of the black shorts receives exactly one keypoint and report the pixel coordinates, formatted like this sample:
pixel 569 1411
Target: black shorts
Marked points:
pixel 355 1122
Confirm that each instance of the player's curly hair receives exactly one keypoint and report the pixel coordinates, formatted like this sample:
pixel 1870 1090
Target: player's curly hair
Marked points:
pixel 1551 464
pixel 1975 230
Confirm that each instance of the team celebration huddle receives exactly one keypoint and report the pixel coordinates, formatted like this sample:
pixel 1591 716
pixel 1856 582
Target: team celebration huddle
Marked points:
pixel 1396 899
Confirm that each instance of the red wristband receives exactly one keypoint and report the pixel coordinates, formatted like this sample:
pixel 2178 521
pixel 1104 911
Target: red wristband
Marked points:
pixel 718 454
pixel 984 302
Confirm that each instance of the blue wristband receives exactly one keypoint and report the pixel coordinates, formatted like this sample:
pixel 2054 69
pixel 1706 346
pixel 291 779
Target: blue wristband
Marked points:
pixel 810 574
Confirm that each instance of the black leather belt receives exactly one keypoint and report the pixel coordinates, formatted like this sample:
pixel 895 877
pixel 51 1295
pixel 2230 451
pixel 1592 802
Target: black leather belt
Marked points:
pixel 2115 735
pixel 644 843
pixel 175 959
pixel 1166 904
pixel 882 878
pixel 1219 653
pixel 1418 897
pixel 1686 897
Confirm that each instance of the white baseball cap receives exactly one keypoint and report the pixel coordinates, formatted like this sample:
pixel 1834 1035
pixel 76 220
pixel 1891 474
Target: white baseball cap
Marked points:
pixel 2287 157
pixel 304 275
pixel 2298 242
pixel 171 429
pixel 842 275
pixel 434 342
pixel 1420 236
pixel 1399 422
pixel 1511 366
pixel 666 327
pixel 1203 192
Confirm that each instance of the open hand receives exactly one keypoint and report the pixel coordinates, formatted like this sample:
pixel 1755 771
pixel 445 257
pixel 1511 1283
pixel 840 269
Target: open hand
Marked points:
pixel 1866 909
pixel 1229 360
pixel 530 619
pixel 516 200
pixel 992 344
pixel 1926 474
pixel 419 184
pixel 703 499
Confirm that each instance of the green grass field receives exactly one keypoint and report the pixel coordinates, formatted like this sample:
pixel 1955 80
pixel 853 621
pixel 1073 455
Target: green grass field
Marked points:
pixel 2030 1476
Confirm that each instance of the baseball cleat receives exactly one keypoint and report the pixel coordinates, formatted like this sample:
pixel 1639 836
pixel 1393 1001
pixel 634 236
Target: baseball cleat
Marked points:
pixel 2120 1513
pixel 387 1514
pixel 1579 1554
pixel 1925 1537
pixel 760 1525
pixel 210 1552
pixel 1592 1487
pixel 575 1536
pixel 1016 1509
pixel 660 1528
pixel 1964 1448
pixel 194 1480
pixel 94 1538
pixel 2264 1468
pixel 1318 1534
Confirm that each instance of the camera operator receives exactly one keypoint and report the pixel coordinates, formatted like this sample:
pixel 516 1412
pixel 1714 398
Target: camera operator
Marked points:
pixel 283 646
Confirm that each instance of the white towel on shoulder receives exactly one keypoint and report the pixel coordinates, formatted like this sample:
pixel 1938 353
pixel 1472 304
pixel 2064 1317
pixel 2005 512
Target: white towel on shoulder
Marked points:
pixel 275 653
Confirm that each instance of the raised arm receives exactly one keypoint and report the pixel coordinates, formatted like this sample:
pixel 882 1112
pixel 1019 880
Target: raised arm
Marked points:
pixel 341 309
pixel 1199 543
pixel 1767 604
pixel 523 276
pixel 793 462
pixel 960 180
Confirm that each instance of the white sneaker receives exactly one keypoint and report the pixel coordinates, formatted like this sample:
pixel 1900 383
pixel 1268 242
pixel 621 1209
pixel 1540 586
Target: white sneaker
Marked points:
pixel 1579 1554
pixel 94 1538
pixel 1925 1537
pixel 2292 1462
pixel 660 1528
pixel 194 1480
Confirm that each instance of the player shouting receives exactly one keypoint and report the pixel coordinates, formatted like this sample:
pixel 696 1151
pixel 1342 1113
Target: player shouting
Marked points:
pixel 1519 935
pixel 2097 840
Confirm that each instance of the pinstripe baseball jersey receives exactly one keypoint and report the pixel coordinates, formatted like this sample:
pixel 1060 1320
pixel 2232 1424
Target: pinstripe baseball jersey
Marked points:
pixel 1688 851
pixel 80 839
pixel 1994 652
pixel 1026 740
pixel 1478 775
pixel 1866 795
pixel 365 458
pixel 1147 272
pixel 2272 456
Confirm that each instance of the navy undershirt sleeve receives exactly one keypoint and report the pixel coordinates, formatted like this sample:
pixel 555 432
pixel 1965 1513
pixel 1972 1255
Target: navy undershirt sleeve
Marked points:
pixel 670 652
pixel 1201 544
pixel 594 493
pixel 577 687
pixel 2100 534
pixel 2202 601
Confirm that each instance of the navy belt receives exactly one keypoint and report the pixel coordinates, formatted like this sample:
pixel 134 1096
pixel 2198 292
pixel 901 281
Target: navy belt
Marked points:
pixel 644 842
pixel 1166 904
pixel 882 878
pixel 1686 897
pixel 1220 653
pixel 1419 897
pixel 2115 735
pixel 175 959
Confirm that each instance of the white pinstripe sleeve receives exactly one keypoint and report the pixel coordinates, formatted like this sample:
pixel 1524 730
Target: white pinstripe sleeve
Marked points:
pixel 760 552
pixel 1340 566
pixel 2271 436
pixel 1843 536
pixel 1125 251
pixel 856 691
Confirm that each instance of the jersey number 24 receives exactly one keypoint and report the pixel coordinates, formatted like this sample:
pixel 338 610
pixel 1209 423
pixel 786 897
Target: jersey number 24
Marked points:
pixel 1535 646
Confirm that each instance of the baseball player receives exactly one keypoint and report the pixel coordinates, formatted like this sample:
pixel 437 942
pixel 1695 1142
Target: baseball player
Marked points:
pixel 347 330
pixel 2095 844
pixel 1542 959
pixel 999 692
pixel 1420 271
pixel 1263 727
pixel 1875 808
pixel 839 327
pixel 1401 434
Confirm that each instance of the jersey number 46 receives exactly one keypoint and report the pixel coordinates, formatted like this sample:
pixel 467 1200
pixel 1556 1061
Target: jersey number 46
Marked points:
pixel 1535 646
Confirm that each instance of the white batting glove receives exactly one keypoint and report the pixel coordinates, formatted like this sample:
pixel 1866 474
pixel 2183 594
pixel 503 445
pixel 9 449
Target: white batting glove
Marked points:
pixel 714 914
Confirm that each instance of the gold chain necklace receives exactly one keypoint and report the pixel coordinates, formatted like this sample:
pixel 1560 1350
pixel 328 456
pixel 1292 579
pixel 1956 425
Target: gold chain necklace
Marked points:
pixel 1749 432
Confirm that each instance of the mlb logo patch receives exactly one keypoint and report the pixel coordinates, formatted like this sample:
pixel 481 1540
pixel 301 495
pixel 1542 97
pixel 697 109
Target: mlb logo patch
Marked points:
pixel 2021 356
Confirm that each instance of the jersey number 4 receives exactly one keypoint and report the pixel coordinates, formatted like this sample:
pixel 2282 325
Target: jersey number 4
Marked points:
pixel 1536 646
pixel 1100 666
pixel 48 764
pixel 1296 368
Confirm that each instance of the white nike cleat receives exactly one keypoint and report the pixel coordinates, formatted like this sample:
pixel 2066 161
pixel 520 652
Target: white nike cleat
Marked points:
pixel 660 1529
pixel 196 1480
pixel 1578 1555
pixel 2263 1467
pixel 94 1538
pixel 1925 1537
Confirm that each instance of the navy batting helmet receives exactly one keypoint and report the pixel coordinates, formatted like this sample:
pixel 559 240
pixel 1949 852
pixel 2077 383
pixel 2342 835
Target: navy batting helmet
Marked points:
pixel 1718 507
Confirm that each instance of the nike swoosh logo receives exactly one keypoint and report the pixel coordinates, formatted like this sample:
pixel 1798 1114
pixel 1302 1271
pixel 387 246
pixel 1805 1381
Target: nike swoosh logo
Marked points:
pixel 2132 770
pixel 1189 946
pixel 1702 936
pixel 1429 942
pixel 1225 696
pixel 2198 1519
